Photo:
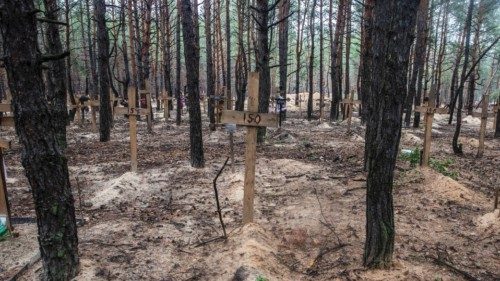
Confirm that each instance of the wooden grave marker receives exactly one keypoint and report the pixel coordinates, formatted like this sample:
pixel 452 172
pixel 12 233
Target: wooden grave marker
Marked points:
pixel 349 105
pixel 429 108
pixel 4 199
pixel 5 121
pixel 132 113
pixel 251 119
pixel 146 95
pixel 165 102
pixel 495 116
pixel 484 120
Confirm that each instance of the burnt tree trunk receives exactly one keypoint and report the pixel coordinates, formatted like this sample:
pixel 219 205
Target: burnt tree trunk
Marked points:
pixel 56 82
pixel 94 79
pixel 241 66
pixel 228 58
pixel 336 61
pixel 43 160
pixel 192 58
pixel 105 117
pixel 283 48
pixel 311 64
pixel 262 61
pixel 126 67
pixel 457 148
pixel 415 87
pixel 365 56
pixel 167 52
pixel 210 64
pixel 178 92
pixel 392 36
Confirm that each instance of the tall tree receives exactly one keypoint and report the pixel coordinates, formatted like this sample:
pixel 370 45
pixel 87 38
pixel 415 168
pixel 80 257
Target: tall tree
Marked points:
pixel 474 76
pixel 210 63
pixel 178 91
pixel 56 82
pixel 415 86
pixel 336 62
pixel 43 160
pixel 192 59
pixel 228 56
pixel 94 79
pixel 298 47
pixel 262 60
pixel 365 55
pixel 105 117
pixel 241 65
pixel 457 148
pixel 284 10
pixel 311 63
pixel 392 35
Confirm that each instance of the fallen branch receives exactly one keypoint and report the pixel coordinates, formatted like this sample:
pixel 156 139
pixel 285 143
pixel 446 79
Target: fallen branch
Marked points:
pixel 312 267
pixel 217 198
pixel 26 266
pixel 465 274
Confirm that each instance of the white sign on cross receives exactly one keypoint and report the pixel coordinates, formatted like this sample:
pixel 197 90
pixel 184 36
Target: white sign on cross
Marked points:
pixel 251 119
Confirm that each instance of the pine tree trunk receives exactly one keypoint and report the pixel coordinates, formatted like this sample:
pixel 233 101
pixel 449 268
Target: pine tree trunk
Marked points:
pixel 45 164
pixel 365 57
pixel 284 10
pixel 393 21
pixel 241 66
pixel 336 61
pixel 210 64
pixel 228 57
pixel 192 59
pixel 105 117
pixel 415 86
pixel 454 76
pixel 457 148
pixel 94 79
pixel 126 67
pixel 178 91
pixel 262 61
pixel 56 81
pixel 311 64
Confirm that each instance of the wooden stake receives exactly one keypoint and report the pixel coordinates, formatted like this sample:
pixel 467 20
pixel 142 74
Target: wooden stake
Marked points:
pixel 250 150
pixel 132 118
pixel 482 128
pixel 429 108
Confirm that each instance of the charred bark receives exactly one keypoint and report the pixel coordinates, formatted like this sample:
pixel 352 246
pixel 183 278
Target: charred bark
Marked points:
pixel 43 160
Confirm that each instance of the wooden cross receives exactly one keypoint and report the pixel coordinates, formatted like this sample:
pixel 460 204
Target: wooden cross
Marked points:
pixel 4 199
pixel 429 108
pixel 146 95
pixel 218 103
pixel 495 116
pixel 349 104
pixel 484 119
pixel 165 101
pixel 132 113
pixel 251 119
pixel 5 121
pixel 94 106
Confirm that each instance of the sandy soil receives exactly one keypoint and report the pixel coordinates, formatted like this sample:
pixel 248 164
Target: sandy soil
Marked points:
pixel 161 223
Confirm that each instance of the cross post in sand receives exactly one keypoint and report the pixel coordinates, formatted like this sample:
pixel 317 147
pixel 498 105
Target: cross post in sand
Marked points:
pixel 4 199
pixel 349 104
pixel 495 115
pixel 132 113
pixel 251 119
pixel 146 95
pixel 218 103
pixel 94 106
pixel 429 108
pixel 484 119
pixel 5 121
pixel 165 101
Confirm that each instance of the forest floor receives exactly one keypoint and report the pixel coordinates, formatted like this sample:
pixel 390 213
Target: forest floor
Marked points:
pixel 160 223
